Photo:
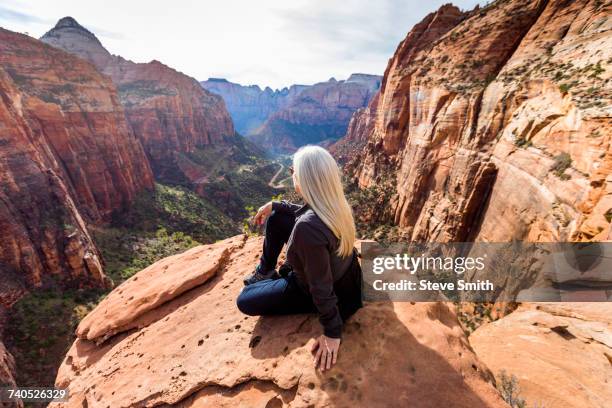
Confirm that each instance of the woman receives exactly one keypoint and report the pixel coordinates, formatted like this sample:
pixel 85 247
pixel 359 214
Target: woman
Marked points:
pixel 322 273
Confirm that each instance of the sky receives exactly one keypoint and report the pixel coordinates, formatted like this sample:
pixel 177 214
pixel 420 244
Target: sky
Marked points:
pixel 272 43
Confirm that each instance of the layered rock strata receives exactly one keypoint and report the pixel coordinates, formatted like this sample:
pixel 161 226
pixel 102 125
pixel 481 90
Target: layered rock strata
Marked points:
pixel 169 111
pixel 495 124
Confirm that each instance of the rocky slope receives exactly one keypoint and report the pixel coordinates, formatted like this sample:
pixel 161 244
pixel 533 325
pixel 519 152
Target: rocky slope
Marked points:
pixel 7 375
pixel 250 106
pixel 319 114
pixel 495 124
pixel 172 335
pixel 169 112
pixel 7 367
pixel 67 158
pixel 534 343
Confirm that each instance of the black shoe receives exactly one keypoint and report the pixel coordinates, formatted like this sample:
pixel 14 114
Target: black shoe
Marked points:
pixel 284 270
pixel 260 275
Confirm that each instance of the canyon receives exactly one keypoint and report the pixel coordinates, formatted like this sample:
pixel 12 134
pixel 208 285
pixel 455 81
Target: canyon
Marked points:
pixel 68 158
pixel 283 120
pixel 186 131
pixel 488 125
pixel 495 125
pixel 320 114
pixel 250 106
pixel 84 140
pixel 169 111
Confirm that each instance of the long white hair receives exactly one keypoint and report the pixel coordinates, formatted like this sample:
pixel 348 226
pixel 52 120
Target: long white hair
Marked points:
pixel 318 177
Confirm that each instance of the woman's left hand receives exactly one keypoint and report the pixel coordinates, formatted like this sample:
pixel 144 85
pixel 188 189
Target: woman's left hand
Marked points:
pixel 326 349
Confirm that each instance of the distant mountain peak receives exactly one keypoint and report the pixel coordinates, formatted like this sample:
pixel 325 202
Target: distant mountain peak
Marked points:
pixel 70 36
pixel 69 24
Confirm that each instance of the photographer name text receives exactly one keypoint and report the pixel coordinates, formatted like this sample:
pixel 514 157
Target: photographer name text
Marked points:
pixel 424 284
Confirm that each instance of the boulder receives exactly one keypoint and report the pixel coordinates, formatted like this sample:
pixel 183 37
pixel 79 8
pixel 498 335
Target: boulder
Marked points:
pixel 560 353
pixel 154 286
pixel 192 347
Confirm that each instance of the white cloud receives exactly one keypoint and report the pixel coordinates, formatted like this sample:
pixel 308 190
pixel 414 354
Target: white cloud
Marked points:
pixel 270 42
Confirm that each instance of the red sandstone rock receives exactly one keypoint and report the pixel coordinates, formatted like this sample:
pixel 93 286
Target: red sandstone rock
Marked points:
pixel 7 366
pixel 7 375
pixel 198 350
pixel 67 158
pixel 168 111
pixel 154 286
pixel 75 111
pixel 560 353
pixel 477 109
pixel 361 125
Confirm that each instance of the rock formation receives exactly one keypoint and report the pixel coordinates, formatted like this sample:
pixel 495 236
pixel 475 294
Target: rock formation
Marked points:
pixel 7 367
pixel 318 114
pixel 7 375
pixel 560 353
pixel 360 126
pixel 495 124
pixel 168 337
pixel 67 158
pixel 169 111
pixel 250 106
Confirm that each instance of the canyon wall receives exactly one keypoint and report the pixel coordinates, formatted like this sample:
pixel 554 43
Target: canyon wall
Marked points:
pixel 359 128
pixel 318 114
pixel 250 106
pixel 67 157
pixel 495 124
pixel 169 111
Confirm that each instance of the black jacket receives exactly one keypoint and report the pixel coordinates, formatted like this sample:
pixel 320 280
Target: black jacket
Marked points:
pixel 311 252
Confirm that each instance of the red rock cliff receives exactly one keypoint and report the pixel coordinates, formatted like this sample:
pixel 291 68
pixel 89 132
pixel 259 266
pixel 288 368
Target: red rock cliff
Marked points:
pixel 67 157
pixel 169 111
pixel 359 128
pixel 495 124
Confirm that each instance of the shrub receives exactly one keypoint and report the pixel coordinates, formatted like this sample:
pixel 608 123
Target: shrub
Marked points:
pixel 509 389
pixel 562 162
pixel 597 70
pixel 564 88
pixel 522 142
pixel 247 225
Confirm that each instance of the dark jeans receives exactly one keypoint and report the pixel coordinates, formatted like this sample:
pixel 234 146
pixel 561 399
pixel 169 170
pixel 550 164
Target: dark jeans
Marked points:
pixel 277 233
pixel 275 296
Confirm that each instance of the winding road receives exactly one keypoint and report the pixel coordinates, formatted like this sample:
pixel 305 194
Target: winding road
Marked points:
pixel 272 182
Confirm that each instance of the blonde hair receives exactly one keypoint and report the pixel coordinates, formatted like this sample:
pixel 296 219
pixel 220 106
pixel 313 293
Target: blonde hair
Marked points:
pixel 318 177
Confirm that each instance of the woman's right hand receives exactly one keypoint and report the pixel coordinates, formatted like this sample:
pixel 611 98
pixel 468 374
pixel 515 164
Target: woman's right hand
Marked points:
pixel 263 213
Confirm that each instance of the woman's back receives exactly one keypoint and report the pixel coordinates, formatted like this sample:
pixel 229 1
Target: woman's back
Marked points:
pixel 309 237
